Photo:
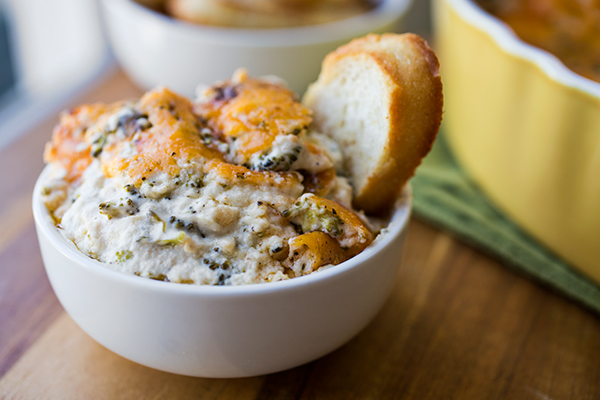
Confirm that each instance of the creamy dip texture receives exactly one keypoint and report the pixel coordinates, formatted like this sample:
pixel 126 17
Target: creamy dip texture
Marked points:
pixel 235 188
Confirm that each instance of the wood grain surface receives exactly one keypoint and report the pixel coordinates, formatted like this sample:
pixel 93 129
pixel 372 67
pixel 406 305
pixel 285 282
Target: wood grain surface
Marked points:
pixel 458 325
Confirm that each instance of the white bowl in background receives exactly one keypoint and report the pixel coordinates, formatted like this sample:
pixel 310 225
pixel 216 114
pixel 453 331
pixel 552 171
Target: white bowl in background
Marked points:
pixel 221 331
pixel 155 49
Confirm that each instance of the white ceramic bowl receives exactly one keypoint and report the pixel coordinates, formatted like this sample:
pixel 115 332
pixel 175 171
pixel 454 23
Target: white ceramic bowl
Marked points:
pixel 155 49
pixel 221 331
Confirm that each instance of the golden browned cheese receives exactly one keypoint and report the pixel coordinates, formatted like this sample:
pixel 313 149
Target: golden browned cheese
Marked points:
pixel 356 233
pixel 174 135
pixel 320 183
pixel 253 112
pixel 569 29
pixel 68 146
pixel 316 249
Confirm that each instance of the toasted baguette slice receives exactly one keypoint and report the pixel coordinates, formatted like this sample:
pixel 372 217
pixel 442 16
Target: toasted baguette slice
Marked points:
pixel 380 97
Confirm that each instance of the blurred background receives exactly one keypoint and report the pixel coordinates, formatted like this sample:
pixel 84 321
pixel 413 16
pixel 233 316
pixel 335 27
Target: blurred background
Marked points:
pixel 51 50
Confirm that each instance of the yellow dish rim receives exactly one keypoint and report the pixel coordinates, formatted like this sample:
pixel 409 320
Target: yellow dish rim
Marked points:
pixel 512 44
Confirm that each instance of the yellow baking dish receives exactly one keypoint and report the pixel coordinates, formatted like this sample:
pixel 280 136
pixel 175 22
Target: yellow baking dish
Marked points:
pixel 525 128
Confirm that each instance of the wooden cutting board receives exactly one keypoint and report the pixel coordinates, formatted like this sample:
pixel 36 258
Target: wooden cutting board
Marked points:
pixel 458 325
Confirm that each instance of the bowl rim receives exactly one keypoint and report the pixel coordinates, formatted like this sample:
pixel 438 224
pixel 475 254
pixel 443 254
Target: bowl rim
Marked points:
pixel 505 37
pixel 45 226
pixel 385 13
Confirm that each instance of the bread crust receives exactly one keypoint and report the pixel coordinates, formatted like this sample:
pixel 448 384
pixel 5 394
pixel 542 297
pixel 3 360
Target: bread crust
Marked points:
pixel 414 110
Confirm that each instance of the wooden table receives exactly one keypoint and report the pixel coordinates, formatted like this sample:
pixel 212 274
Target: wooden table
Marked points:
pixel 458 325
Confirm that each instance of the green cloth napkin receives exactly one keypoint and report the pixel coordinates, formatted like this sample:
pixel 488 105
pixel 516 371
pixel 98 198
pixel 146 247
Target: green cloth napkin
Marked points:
pixel 444 196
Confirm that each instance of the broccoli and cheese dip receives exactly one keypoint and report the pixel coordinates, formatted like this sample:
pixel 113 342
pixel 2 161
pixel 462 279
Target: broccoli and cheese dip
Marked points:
pixel 234 188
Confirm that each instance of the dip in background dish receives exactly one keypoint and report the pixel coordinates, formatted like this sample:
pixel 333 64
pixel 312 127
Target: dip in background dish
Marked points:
pixel 233 189
pixel 568 29
pixel 260 13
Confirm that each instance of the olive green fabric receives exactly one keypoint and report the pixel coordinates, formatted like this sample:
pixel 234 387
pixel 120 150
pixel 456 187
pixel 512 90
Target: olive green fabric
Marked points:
pixel 444 196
